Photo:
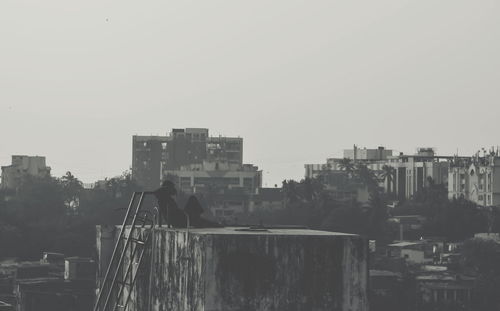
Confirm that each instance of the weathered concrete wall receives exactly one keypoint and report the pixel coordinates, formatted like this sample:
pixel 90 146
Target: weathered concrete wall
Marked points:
pixel 225 269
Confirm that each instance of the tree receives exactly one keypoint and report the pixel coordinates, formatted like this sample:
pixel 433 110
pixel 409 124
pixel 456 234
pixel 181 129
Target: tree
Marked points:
pixel 387 175
pixel 72 188
pixel 347 165
pixel 350 219
pixel 366 176
pixel 291 191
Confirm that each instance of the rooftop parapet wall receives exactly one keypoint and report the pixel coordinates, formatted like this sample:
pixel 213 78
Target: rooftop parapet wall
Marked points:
pixel 228 269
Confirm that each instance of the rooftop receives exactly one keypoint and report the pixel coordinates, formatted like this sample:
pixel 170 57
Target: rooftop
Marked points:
pixel 257 231
pixel 405 244
pixel 374 273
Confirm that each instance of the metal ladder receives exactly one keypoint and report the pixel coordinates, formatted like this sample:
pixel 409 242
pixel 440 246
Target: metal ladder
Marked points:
pixel 120 275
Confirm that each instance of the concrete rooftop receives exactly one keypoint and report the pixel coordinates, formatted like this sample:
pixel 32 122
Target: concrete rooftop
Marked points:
pixel 248 231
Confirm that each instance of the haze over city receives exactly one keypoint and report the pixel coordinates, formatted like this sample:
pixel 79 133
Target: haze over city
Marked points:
pixel 298 82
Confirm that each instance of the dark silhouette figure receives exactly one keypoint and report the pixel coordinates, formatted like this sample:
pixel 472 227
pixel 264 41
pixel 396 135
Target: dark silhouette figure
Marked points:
pixel 194 210
pixel 168 210
pixel 174 216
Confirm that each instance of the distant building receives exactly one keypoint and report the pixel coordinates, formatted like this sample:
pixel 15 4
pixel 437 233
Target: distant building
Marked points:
pixel 208 176
pixel 411 172
pixel 476 179
pixel 50 285
pixel 414 172
pixel 151 155
pixel 22 166
pixel 267 199
pixel 226 188
pixel 54 294
pixel 444 291
pixel 364 154
pixel 408 226
pixel 412 251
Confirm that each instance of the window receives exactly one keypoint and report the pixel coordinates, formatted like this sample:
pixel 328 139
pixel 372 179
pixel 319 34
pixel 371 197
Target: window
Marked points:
pixel 489 182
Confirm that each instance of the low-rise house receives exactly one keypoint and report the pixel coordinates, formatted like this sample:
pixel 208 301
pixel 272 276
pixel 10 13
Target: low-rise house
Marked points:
pixel 412 251
pixel 443 291
pixel 54 294
pixel 408 226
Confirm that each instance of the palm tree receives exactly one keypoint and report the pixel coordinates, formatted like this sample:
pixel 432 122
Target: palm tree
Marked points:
pixel 387 175
pixel 366 176
pixel 347 165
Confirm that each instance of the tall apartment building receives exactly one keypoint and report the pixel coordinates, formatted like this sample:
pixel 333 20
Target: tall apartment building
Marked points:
pixel 22 166
pixel 476 179
pixel 151 155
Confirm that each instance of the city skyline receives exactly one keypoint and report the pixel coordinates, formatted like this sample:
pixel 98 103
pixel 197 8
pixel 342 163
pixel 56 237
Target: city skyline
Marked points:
pixel 298 82
pixel 339 154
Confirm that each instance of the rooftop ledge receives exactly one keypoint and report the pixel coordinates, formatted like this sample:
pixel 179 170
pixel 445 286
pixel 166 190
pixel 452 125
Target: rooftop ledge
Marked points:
pixel 256 231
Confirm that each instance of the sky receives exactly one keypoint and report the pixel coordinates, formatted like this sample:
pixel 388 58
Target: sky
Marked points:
pixel 299 80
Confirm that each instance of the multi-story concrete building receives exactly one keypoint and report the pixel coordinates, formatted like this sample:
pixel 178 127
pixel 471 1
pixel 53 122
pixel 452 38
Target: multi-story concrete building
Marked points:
pixel 149 153
pixel 22 166
pixel 152 155
pixel 476 179
pixel 196 178
pixel 413 172
pixel 364 154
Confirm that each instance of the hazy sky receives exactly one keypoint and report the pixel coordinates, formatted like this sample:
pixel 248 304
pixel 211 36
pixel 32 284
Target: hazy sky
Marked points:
pixel 298 80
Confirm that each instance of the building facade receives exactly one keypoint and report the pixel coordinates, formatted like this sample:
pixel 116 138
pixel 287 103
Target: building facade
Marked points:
pixel 149 153
pixel 208 176
pixel 476 179
pixel 411 172
pixel 226 189
pixel 21 167
pixel 414 172
pixel 367 154
pixel 152 155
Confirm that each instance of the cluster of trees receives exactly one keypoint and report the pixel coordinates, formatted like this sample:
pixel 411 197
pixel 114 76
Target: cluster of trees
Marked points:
pixel 59 215
pixel 309 202
pixel 456 219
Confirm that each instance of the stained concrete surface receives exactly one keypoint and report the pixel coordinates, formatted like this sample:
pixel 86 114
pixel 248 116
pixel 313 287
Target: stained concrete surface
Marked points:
pixel 221 269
